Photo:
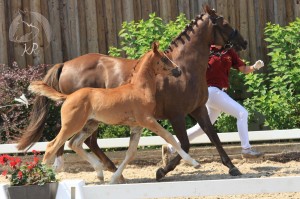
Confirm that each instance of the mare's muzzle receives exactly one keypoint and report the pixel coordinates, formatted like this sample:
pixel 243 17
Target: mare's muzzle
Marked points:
pixel 176 72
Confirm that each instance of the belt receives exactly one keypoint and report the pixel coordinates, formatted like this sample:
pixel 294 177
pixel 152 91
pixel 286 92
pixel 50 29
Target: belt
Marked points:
pixel 222 89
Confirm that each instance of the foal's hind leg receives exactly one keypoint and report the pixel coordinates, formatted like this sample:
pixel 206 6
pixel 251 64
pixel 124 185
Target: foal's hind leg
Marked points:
pixel 76 144
pixel 58 164
pixel 52 147
pixel 154 126
pixel 130 154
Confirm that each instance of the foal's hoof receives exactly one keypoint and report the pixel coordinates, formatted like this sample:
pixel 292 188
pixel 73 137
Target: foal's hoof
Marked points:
pixel 101 179
pixel 160 173
pixel 234 172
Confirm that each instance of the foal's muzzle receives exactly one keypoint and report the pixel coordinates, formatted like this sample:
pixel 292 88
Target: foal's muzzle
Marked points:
pixel 176 72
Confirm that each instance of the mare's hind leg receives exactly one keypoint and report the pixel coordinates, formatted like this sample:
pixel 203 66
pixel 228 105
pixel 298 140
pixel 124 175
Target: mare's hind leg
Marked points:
pixel 202 118
pixel 154 126
pixel 91 142
pixel 130 154
pixel 178 125
pixel 76 144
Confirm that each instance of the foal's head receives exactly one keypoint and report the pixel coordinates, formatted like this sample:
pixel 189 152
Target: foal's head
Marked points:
pixel 159 62
pixel 224 34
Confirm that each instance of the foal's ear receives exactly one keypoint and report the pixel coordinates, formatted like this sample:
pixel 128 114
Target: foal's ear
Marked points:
pixel 155 46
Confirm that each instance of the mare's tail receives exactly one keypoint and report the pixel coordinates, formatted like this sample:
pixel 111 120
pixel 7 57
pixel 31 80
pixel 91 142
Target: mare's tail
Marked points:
pixel 39 111
pixel 41 88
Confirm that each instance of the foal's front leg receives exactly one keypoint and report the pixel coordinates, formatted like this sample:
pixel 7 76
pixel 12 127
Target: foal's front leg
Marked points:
pixel 155 127
pixel 130 154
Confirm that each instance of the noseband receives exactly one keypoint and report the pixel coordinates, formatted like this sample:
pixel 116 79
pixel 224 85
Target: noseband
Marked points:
pixel 229 43
pixel 166 57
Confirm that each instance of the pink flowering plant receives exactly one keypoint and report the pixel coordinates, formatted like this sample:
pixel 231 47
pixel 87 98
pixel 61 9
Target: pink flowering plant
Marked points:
pixel 28 173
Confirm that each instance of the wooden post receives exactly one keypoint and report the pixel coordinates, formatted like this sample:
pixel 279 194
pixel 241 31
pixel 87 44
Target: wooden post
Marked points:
pixel 297 8
pixel 18 47
pixel 111 21
pixel 244 26
pixel 91 21
pixel 3 34
pixel 83 26
pixel 73 28
pixel 233 13
pixel 128 11
pixel 184 7
pixel 56 39
pixel 38 56
pixel 252 31
pixel 118 19
pixel 146 7
pixel 47 46
pixel 101 27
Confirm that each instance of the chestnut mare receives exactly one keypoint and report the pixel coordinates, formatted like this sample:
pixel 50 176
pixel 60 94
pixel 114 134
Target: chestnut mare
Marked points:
pixel 175 98
pixel 132 104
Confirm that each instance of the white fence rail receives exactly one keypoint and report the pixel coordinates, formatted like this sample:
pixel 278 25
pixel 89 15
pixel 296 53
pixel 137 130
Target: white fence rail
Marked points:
pixel 180 189
pixel 176 189
pixel 156 140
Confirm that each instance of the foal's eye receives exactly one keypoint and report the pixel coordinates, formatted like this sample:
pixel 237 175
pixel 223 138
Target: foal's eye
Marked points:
pixel 164 59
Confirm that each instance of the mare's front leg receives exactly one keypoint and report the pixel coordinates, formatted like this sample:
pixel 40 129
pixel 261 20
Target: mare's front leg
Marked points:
pixel 201 115
pixel 130 154
pixel 178 124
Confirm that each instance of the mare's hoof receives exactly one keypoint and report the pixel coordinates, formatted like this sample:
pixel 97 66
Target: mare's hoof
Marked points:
pixel 160 173
pixel 122 180
pixel 197 166
pixel 234 172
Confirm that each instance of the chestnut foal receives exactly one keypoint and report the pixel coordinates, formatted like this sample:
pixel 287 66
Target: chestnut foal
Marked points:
pixel 132 104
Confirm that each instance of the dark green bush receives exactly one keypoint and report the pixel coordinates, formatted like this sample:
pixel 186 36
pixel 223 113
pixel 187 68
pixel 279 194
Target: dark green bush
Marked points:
pixel 14 81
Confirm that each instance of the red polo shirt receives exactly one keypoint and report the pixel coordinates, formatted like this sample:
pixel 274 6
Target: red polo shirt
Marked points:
pixel 219 67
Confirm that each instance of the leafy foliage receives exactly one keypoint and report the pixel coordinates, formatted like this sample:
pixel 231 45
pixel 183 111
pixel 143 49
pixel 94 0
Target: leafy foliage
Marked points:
pixel 136 37
pixel 276 94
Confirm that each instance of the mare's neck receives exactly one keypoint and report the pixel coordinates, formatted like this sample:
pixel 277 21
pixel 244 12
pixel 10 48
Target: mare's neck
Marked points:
pixel 191 50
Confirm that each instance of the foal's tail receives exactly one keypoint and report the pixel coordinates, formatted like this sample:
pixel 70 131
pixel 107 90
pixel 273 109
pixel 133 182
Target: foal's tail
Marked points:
pixel 41 88
pixel 39 111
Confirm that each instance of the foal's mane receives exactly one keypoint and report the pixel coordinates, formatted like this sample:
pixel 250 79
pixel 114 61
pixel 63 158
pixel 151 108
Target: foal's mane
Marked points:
pixel 187 28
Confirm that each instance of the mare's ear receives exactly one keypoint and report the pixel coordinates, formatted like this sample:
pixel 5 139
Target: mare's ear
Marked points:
pixel 208 10
pixel 155 46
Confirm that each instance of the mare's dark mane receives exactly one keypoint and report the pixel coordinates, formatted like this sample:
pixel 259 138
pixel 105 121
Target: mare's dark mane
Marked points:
pixel 187 28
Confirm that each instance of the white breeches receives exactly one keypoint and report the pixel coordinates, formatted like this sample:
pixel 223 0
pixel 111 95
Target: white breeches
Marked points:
pixel 219 101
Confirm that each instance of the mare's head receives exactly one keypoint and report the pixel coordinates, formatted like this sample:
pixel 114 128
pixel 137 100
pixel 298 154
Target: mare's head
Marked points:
pixel 224 34
pixel 159 62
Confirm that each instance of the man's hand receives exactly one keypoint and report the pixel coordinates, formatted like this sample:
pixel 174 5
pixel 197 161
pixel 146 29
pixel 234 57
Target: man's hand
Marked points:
pixel 258 64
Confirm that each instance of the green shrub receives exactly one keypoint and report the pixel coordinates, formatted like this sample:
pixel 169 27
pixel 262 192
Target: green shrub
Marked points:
pixel 136 37
pixel 276 94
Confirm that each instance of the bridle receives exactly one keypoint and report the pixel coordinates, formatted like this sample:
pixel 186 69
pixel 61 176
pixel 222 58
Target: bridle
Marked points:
pixel 229 43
